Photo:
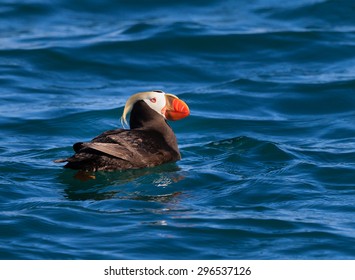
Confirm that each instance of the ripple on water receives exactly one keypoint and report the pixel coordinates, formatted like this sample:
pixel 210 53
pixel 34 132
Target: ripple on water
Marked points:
pixel 268 150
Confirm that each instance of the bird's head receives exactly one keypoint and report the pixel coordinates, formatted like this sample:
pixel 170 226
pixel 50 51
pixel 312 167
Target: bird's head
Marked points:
pixel 165 104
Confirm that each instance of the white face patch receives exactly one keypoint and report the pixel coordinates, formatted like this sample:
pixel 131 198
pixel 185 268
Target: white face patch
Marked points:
pixel 156 100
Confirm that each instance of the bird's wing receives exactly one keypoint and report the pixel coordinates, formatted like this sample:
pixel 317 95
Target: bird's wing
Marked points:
pixel 133 146
pixel 111 149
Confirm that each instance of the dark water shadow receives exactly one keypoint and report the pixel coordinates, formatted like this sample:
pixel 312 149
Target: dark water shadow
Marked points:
pixel 148 184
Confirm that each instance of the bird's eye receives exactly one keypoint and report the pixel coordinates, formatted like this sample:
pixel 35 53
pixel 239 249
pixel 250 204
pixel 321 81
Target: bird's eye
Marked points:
pixel 158 91
pixel 153 100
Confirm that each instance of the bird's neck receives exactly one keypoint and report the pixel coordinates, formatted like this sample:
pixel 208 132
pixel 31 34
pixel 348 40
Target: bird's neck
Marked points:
pixel 142 115
pixel 144 118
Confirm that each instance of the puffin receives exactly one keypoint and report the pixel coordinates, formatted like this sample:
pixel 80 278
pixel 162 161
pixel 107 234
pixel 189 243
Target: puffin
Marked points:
pixel 149 142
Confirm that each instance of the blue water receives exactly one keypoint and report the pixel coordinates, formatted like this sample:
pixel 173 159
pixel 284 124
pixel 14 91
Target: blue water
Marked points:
pixel 268 168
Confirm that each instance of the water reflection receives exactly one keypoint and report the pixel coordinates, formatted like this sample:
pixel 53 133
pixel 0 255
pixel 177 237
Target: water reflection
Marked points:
pixel 149 184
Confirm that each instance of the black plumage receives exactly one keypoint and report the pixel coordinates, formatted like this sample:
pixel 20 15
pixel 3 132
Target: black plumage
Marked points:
pixel 149 142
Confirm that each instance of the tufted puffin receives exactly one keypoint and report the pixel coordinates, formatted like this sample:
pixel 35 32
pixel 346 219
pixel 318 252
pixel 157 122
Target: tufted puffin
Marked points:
pixel 149 142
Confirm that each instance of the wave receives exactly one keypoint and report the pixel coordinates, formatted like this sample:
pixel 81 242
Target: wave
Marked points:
pixel 270 88
pixel 315 13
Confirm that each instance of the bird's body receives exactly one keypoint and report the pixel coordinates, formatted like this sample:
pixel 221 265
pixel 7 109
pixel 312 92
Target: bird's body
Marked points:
pixel 149 142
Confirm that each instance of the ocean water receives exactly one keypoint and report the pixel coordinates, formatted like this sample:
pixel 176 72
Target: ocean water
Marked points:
pixel 268 168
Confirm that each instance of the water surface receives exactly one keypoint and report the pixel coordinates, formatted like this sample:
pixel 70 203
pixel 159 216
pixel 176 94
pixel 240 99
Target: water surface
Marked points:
pixel 268 151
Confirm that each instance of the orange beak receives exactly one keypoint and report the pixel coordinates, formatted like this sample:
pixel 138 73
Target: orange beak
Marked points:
pixel 175 109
